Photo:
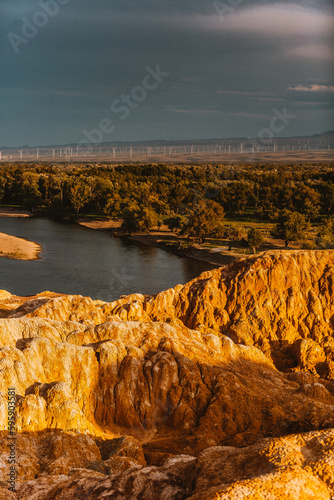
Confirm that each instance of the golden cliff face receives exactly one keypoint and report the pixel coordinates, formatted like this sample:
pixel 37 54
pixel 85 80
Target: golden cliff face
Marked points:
pixel 240 357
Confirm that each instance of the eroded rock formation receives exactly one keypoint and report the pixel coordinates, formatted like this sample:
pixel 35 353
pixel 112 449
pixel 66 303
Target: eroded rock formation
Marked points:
pixel 202 391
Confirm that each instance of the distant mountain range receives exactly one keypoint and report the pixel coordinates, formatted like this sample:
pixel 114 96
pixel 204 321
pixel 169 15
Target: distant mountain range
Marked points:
pixel 324 138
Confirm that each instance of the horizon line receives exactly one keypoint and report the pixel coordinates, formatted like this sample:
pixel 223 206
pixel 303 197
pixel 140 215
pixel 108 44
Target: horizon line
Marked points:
pixel 166 141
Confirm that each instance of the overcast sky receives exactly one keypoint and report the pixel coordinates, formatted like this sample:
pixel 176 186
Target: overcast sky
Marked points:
pixel 230 63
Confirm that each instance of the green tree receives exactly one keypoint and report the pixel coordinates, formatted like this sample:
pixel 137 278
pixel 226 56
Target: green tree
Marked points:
pixel 112 206
pixel 291 226
pixel 148 218
pixel 327 196
pixel 254 238
pixel 130 221
pixel 325 235
pixel 205 220
pixel 137 219
pixel 57 184
pixel 79 194
pixel 238 195
pixel 175 222
pixel 31 196
pixel 307 201
pixel 233 233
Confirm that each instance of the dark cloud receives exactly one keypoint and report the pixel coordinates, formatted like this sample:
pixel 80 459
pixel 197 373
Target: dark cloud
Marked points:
pixel 226 73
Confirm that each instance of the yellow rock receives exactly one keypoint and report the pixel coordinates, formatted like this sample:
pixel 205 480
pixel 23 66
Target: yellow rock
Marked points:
pixel 199 378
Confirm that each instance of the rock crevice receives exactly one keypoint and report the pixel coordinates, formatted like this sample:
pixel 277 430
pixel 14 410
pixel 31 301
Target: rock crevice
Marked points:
pixel 202 391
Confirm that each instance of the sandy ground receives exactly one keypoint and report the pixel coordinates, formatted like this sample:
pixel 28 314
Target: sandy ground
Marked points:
pixel 11 212
pixel 100 224
pixel 18 248
pixel 206 157
pixel 13 247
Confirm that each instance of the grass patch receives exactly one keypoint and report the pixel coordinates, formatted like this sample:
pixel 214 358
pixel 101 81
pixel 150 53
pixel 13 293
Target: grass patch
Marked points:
pixel 15 255
pixel 94 216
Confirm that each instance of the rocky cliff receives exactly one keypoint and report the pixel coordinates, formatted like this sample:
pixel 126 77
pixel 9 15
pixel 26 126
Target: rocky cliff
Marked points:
pixel 221 388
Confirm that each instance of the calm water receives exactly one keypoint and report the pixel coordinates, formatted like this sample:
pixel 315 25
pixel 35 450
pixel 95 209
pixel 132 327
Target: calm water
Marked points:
pixel 77 260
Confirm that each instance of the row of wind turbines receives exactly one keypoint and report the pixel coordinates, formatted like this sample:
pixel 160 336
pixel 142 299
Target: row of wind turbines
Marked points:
pixel 179 150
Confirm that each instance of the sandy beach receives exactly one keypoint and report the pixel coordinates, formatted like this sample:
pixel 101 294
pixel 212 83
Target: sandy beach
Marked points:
pixel 17 248
pixel 12 247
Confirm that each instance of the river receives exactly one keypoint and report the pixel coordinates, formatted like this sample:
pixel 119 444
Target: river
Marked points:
pixel 77 260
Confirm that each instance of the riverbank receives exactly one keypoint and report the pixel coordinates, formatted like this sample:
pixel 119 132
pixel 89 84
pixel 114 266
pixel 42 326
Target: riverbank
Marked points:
pixel 17 248
pixel 167 240
pixel 12 247
pixel 14 212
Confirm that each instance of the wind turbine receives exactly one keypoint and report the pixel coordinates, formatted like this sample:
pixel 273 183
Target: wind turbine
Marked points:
pixel 1 154
pixel 53 152
pixel 21 153
pixel 37 153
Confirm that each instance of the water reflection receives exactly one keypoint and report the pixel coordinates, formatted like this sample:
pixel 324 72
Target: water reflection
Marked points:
pixel 77 260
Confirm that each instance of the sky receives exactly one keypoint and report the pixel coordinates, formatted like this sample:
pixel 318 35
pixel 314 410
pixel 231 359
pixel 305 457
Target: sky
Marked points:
pixel 137 70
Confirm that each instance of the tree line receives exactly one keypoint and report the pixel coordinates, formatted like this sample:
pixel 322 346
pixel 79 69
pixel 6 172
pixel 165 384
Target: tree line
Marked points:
pixel 191 199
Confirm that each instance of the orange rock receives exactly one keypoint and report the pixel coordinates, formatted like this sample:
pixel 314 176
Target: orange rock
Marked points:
pixel 189 375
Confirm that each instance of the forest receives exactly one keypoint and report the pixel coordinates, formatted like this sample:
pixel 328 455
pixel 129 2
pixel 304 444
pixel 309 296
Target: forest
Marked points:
pixel 195 200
